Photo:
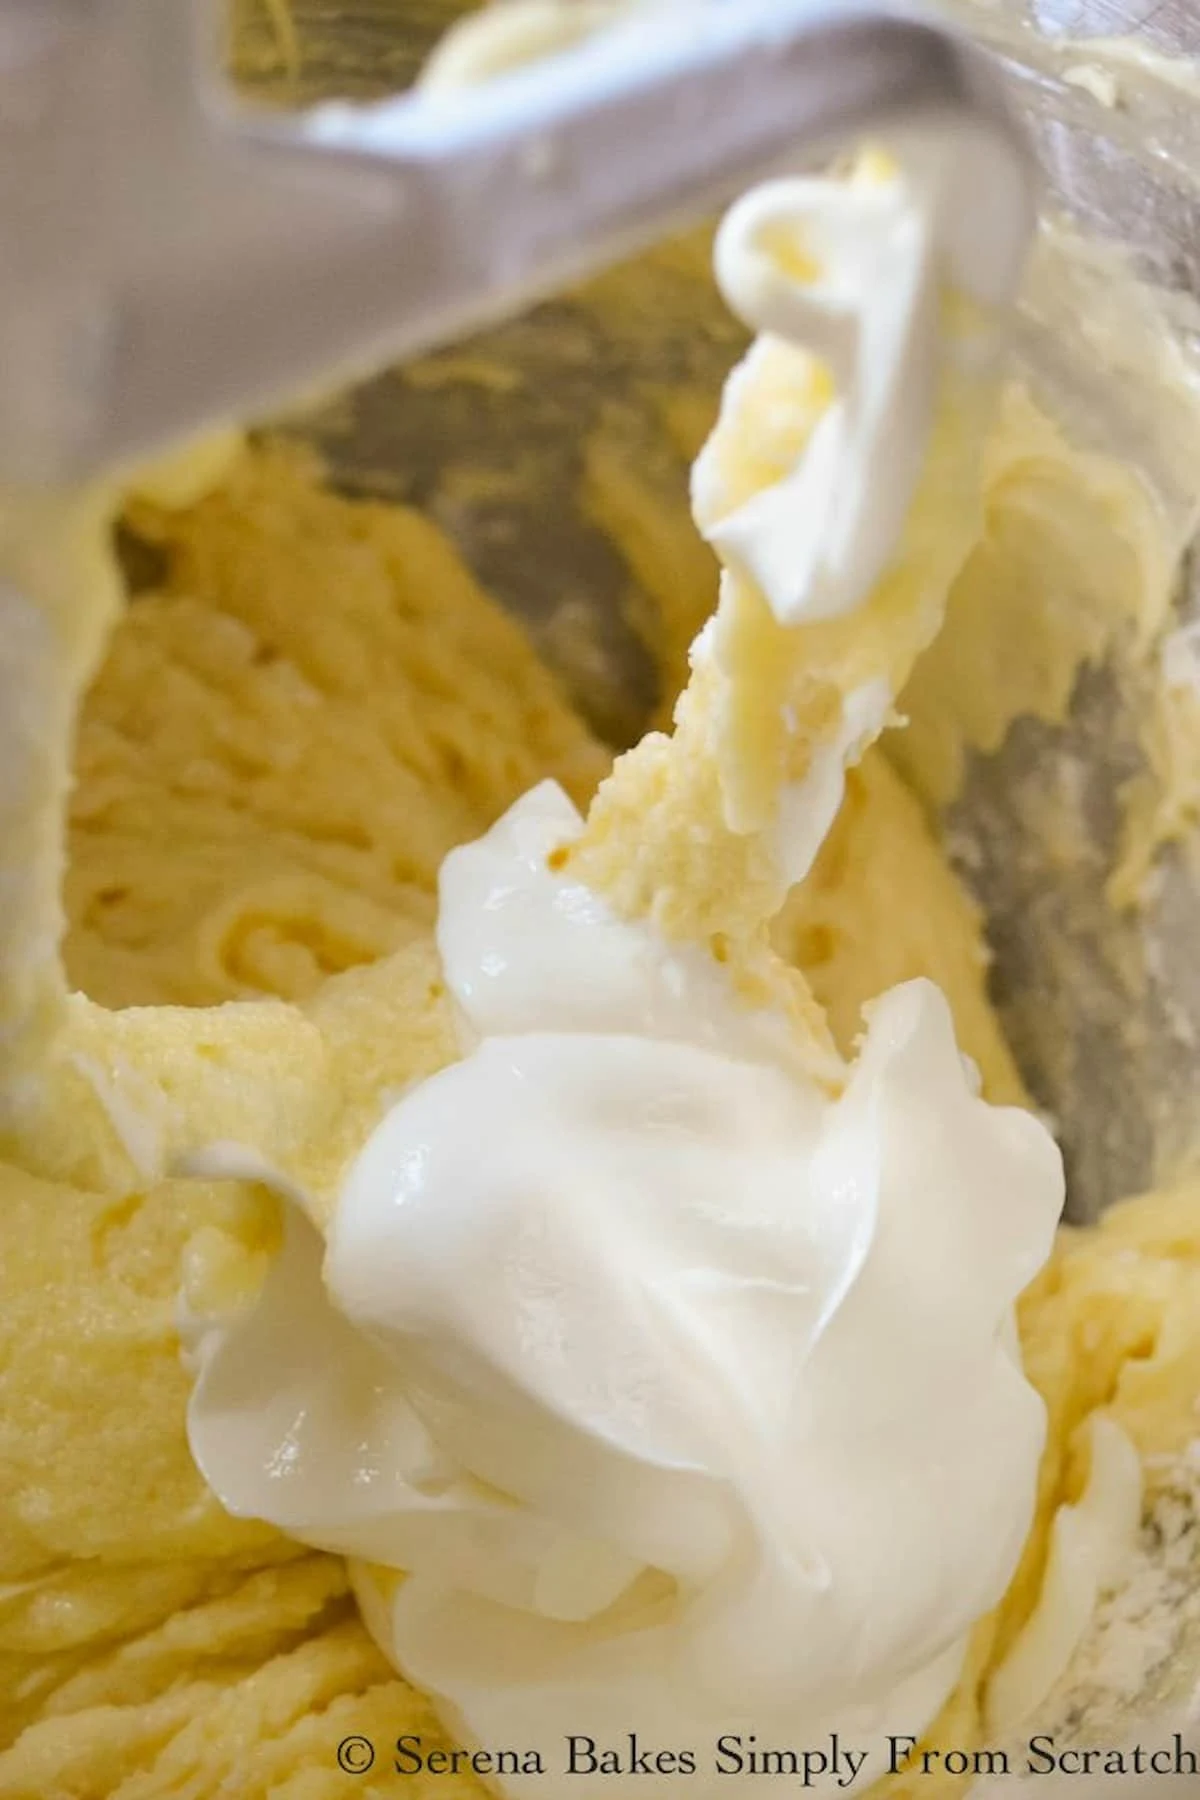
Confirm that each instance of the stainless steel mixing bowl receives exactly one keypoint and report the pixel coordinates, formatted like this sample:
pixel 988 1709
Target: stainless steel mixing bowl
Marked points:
pixel 1103 1011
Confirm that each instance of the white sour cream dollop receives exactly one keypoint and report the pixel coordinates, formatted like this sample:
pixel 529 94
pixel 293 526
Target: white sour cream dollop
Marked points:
pixel 687 1399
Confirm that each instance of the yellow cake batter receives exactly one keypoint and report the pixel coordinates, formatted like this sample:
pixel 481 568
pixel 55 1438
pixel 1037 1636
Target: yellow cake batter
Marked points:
pixel 287 732
pixel 284 739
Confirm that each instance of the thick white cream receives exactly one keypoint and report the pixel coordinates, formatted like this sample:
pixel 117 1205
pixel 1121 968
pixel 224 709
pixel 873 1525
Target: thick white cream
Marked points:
pixel 851 271
pixel 855 271
pixel 688 1399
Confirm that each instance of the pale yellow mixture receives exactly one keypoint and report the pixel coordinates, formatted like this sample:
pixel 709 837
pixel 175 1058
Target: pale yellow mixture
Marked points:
pixel 283 739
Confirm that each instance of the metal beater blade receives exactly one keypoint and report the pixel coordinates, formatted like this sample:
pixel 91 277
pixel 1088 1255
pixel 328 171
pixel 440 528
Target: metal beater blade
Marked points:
pixel 170 258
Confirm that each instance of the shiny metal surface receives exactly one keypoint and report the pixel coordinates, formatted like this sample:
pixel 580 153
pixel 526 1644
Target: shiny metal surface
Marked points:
pixel 1168 25
pixel 1102 1008
pixel 179 260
